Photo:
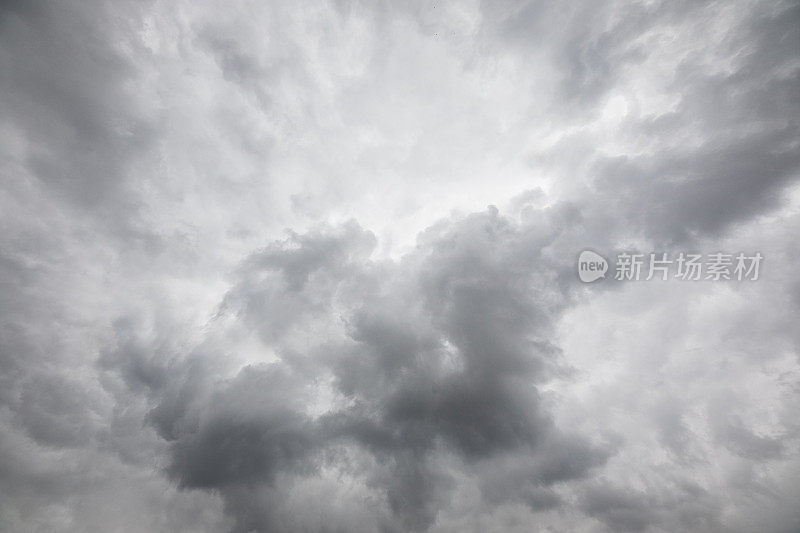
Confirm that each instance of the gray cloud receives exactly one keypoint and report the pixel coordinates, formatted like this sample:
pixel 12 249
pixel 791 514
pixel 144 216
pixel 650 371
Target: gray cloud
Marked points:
pixel 248 281
pixel 64 81
pixel 440 353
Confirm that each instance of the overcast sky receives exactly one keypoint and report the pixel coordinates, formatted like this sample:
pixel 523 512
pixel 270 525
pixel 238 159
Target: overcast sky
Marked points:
pixel 272 267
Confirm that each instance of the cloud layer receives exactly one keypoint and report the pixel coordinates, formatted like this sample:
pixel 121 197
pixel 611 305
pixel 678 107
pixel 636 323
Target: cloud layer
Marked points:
pixel 249 280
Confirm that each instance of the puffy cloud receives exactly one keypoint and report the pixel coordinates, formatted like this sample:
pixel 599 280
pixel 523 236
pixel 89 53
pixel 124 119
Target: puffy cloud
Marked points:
pixel 436 355
pixel 248 281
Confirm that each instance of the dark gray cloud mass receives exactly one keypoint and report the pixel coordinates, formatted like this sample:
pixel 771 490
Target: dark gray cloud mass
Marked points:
pixel 249 280
pixel 438 354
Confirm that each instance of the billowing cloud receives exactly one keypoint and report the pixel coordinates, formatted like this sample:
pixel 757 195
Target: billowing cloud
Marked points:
pixel 249 280
pixel 437 355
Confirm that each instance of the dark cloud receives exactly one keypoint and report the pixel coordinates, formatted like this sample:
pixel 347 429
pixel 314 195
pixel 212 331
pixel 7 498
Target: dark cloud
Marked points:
pixel 730 431
pixel 620 510
pixel 451 366
pixel 721 153
pixel 246 437
pixel 66 89
pixel 682 506
pixel 389 364
pixel 745 119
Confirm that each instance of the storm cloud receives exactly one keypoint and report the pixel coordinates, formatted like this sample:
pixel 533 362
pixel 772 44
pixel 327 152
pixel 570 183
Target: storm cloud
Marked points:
pixel 269 268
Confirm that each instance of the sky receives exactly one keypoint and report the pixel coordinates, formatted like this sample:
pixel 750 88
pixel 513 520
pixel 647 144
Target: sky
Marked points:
pixel 284 267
